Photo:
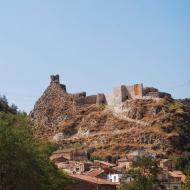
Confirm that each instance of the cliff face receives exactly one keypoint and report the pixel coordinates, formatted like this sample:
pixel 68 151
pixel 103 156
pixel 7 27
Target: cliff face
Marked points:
pixel 157 124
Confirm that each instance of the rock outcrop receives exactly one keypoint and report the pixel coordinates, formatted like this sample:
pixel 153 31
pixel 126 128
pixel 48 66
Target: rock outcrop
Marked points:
pixel 160 125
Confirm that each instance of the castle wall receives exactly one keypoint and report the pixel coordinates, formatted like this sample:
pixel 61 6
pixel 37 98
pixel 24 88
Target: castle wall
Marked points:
pixel 63 87
pixel 153 92
pixel 135 91
pixel 164 95
pixel 79 101
pixel 116 97
pixel 159 95
pixel 147 90
pixel 109 99
pixel 81 98
pixel 122 93
pixel 119 94
pixel 79 95
pixel 101 99
pixel 91 99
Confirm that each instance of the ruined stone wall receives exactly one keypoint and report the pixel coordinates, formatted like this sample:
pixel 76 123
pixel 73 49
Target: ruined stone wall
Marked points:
pixel 164 95
pixel 101 99
pixel 91 99
pixel 147 90
pixel 119 94
pixel 55 81
pixel 154 93
pixel 79 101
pixel 63 87
pixel 116 97
pixel 79 95
pixel 109 99
pixel 122 93
pixel 81 98
pixel 159 95
pixel 135 91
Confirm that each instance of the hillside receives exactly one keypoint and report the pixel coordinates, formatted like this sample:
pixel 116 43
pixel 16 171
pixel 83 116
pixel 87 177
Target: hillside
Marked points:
pixel 156 122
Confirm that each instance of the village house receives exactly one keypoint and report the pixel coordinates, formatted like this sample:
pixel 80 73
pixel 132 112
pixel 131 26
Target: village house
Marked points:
pixel 115 177
pixel 72 167
pixel 84 182
pixel 179 174
pixel 103 164
pixel 105 170
pixel 71 160
pixel 125 163
pixel 105 175
pixel 99 173
pixel 169 178
pixel 170 181
pixel 69 154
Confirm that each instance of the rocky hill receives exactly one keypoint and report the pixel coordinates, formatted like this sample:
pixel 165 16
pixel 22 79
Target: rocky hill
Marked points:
pixel 156 123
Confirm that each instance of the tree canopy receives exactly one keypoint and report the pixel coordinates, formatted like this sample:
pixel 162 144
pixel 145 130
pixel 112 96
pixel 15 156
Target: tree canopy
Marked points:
pixel 144 174
pixel 24 161
pixel 187 183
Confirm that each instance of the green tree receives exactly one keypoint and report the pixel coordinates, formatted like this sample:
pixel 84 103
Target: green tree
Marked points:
pixel 144 173
pixel 187 183
pixel 24 161
pixel 181 163
pixel 4 104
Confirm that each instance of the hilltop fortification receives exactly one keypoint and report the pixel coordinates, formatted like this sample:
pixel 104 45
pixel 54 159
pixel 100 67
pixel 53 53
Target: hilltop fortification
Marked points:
pixel 118 95
pixel 129 117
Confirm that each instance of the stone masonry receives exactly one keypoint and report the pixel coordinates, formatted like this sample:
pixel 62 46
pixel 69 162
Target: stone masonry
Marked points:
pixel 119 94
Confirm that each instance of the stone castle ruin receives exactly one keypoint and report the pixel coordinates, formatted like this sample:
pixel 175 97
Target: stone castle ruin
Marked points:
pixel 119 94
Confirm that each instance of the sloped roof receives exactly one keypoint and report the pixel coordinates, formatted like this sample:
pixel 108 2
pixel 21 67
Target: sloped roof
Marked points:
pixel 94 173
pixel 178 174
pixel 92 179
pixel 104 163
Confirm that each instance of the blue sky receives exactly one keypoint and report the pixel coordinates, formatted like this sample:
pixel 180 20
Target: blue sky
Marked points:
pixel 94 45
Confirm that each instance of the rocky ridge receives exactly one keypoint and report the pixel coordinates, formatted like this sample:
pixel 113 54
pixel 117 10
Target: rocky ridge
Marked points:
pixel 159 125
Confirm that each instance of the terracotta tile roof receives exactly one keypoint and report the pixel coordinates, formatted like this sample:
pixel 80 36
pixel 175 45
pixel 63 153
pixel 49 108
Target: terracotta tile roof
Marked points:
pixel 104 163
pixel 94 173
pixel 178 174
pixel 92 179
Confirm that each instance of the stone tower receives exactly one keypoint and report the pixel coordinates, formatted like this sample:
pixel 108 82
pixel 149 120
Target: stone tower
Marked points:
pixel 55 79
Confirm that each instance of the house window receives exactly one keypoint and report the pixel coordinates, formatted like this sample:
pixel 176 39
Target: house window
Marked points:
pixel 115 179
pixel 175 188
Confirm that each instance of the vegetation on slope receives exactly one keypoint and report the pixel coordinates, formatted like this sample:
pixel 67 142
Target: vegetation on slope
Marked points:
pixel 24 161
pixel 187 183
pixel 144 173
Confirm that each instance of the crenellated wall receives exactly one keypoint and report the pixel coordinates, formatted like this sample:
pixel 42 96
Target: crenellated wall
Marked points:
pixel 116 97
pixel 81 98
